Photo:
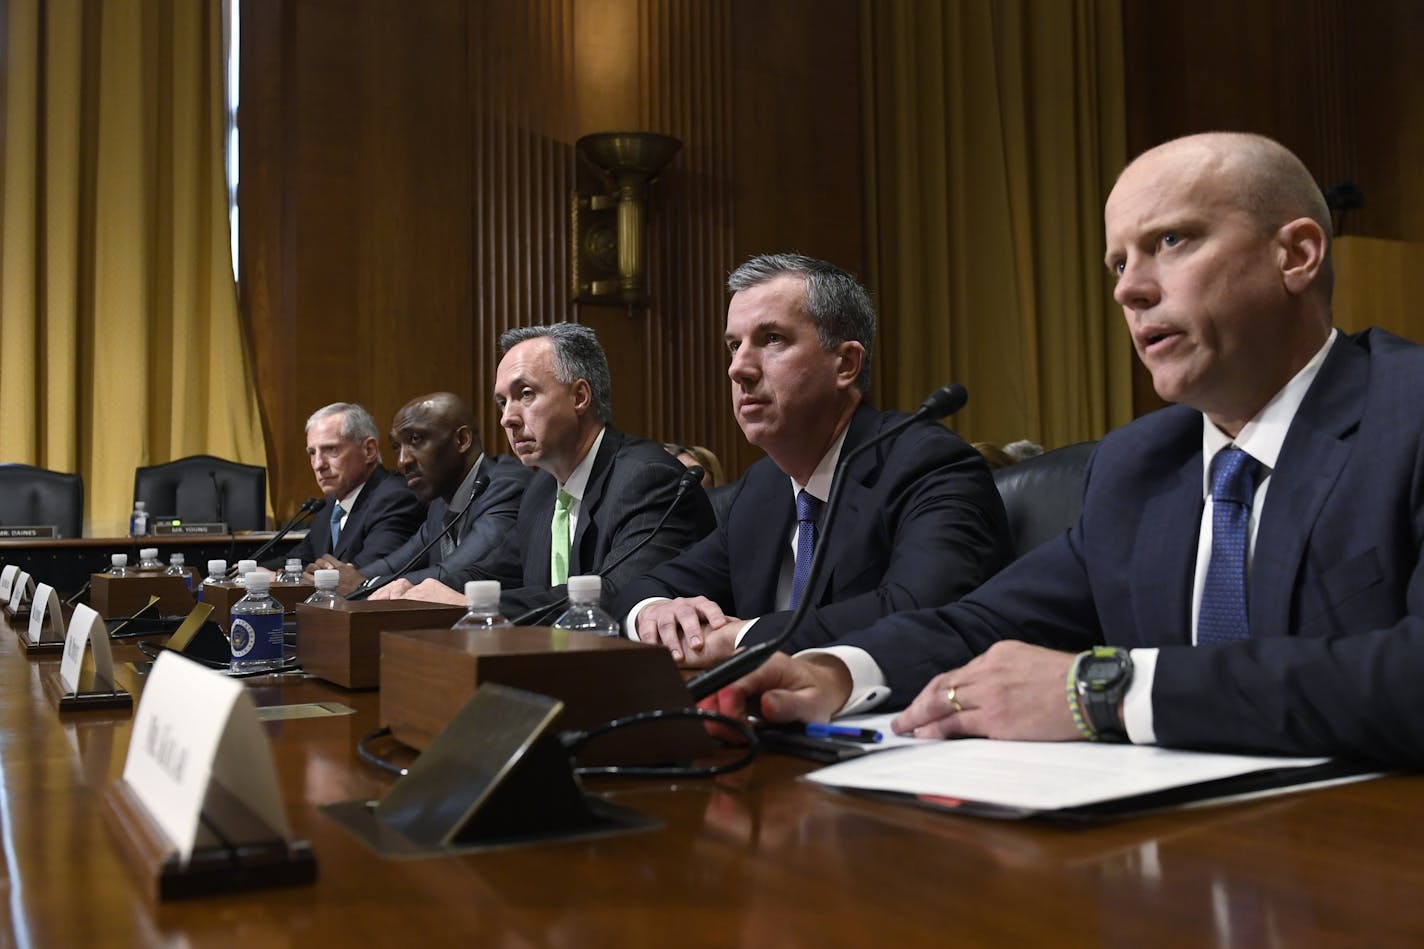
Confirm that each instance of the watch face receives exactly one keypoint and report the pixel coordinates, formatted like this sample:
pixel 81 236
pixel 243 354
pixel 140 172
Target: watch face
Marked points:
pixel 1101 672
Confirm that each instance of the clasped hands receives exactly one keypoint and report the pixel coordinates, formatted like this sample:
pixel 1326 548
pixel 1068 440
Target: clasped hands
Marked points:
pixel 694 630
pixel 1012 691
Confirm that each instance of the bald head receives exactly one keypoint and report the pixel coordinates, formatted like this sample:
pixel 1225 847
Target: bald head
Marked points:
pixel 436 440
pixel 1219 246
pixel 1254 174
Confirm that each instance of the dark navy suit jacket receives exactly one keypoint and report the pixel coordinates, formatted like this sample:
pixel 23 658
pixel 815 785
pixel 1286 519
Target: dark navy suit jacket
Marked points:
pixel 1336 592
pixel 384 516
pixel 920 524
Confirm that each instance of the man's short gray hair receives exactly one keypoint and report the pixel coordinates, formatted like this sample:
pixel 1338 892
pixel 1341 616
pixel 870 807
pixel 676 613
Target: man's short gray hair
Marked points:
pixel 834 300
pixel 357 425
pixel 577 355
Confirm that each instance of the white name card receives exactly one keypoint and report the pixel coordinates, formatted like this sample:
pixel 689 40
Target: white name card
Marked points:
pixel 20 592
pixel 86 631
pixel 7 581
pixel 46 616
pixel 196 738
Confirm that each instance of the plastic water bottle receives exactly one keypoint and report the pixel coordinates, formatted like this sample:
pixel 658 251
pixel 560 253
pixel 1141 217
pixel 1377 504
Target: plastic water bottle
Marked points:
pixel 217 576
pixel 176 568
pixel 256 628
pixel 119 565
pixel 138 520
pixel 244 567
pixel 148 559
pixel 292 572
pixel 482 601
pixel 584 614
pixel 326 584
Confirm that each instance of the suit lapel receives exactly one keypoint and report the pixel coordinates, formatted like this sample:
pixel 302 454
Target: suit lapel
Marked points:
pixel 756 564
pixel 1312 457
pixel 592 496
pixel 1162 562
pixel 852 500
pixel 355 516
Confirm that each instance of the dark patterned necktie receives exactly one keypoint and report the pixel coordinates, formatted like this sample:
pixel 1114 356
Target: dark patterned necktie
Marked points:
pixel 1222 617
pixel 808 511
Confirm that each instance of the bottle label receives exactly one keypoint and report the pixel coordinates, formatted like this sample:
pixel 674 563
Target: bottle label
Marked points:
pixel 257 637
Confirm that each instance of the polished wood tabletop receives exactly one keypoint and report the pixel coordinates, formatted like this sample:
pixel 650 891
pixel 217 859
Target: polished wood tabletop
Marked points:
pixel 755 858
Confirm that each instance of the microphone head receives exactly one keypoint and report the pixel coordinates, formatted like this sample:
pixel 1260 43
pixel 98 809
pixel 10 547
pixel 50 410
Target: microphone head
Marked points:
pixel 946 400
pixel 691 476
pixel 310 505
pixel 482 482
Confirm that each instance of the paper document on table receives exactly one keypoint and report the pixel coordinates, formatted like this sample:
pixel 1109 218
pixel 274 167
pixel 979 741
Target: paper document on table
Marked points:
pixel 880 722
pixel 1041 776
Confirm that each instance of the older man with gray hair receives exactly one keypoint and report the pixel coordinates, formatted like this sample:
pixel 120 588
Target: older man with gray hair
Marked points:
pixel 368 511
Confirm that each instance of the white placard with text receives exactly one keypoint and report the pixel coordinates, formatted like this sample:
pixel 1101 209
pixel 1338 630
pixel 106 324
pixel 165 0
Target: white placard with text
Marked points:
pixel 86 630
pixel 197 730
pixel 45 614
pixel 7 580
pixel 20 591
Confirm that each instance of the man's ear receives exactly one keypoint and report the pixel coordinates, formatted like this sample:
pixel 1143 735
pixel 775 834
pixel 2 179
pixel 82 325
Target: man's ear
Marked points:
pixel 464 439
pixel 583 395
pixel 850 357
pixel 370 450
pixel 1302 247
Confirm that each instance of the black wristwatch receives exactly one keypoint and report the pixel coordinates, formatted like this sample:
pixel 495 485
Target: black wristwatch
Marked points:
pixel 1102 675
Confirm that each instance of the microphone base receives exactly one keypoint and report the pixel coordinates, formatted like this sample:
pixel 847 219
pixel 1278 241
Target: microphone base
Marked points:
pixel 428 675
pixel 342 644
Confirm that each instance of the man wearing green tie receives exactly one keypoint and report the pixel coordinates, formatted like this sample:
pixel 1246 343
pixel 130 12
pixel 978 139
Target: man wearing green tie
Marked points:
pixel 598 493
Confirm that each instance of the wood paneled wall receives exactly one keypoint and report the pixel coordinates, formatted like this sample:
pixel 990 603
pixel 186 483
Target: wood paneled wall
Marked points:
pixel 405 171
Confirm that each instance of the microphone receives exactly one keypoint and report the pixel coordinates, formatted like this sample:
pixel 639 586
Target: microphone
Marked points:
pixel 218 493
pixel 373 584
pixel 307 510
pixel 945 400
pixel 689 478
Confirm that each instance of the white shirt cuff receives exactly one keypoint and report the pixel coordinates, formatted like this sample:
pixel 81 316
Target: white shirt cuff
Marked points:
pixel 742 633
pixel 1137 703
pixel 867 682
pixel 630 625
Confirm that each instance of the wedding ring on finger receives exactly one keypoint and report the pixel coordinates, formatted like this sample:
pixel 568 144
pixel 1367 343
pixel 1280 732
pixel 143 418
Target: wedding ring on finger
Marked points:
pixel 954 702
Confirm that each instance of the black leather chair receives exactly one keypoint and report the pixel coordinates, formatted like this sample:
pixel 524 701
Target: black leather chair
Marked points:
pixel 31 497
pixel 722 496
pixel 203 488
pixel 1044 494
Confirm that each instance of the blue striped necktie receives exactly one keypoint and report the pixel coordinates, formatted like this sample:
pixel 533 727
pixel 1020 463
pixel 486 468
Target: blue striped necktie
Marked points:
pixel 808 511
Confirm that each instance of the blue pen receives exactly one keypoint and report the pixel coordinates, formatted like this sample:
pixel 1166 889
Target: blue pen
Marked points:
pixel 844 732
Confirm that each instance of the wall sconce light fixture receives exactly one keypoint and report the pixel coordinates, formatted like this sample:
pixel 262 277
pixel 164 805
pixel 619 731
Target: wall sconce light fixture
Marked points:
pixel 609 257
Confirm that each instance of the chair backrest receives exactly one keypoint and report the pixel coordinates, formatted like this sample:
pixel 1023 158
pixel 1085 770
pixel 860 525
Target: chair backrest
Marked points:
pixel 722 496
pixel 33 496
pixel 1043 495
pixel 203 488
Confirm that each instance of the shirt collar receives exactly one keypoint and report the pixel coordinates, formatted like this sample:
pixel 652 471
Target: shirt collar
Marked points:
pixel 819 487
pixel 577 484
pixel 350 500
pixel 1264 435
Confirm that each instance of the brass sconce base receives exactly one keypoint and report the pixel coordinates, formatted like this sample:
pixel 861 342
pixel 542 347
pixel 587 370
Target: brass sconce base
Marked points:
pixel 608 262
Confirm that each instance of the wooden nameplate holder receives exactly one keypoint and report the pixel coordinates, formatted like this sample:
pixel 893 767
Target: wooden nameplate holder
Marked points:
pixel 124 596
pixel 93 693
pixel 342 644
pixel 427 675
pixel 223 597
pixel 48 644
pixel 211 870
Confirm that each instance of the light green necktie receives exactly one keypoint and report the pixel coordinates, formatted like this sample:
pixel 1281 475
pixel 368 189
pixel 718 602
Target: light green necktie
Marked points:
pixel 559 540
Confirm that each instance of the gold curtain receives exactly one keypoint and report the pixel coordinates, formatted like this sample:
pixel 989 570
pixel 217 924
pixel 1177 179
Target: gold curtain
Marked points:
pixel 120 343
pixel 995 129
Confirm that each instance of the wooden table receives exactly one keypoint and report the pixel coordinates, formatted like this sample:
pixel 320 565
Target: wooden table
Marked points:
pixel 752 859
